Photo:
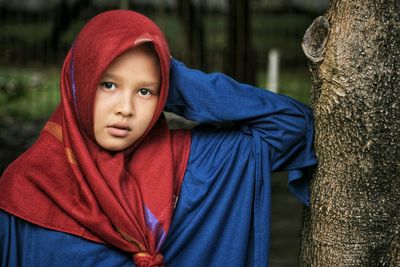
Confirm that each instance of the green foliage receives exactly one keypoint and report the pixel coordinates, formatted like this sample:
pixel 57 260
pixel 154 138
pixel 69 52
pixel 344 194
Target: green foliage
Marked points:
pixel 26 93
pixel 27 98
pixel 12 88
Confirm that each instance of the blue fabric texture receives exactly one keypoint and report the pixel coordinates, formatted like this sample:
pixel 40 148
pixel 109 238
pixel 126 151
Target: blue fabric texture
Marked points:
pixel 223 213
pixel 27 245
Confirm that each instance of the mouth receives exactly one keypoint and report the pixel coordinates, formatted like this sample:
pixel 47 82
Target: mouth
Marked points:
pixel 119 130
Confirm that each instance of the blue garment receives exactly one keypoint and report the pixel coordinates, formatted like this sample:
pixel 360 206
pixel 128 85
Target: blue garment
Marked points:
pixel 223 213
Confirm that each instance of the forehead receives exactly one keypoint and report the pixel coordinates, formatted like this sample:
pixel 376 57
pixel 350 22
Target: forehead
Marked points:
pixel 141 59
pixel 143 51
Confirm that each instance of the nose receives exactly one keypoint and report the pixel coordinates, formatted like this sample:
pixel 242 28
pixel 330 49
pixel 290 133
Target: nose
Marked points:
pixel 125 106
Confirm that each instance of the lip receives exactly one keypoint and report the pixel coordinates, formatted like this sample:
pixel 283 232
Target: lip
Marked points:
pixel 119 129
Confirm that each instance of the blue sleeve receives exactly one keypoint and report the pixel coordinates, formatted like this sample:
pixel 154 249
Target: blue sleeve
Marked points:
pixel 282 123
pixel 25 244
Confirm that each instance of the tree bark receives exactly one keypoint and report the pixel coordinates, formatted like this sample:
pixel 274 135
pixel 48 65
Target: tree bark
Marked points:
pixel 239 62
pixel 354 56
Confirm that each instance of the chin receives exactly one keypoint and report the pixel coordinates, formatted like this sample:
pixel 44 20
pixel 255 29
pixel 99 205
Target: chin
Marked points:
pixel 113 147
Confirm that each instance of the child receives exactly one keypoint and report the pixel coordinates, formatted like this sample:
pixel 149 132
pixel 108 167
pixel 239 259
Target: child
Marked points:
pixel 108 184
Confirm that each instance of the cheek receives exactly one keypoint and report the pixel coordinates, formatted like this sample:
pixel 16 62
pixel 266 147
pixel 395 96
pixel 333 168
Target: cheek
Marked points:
pixel 146 108
pixel 96 112
pixel 103 101
pixel 152 109
pixel 101 104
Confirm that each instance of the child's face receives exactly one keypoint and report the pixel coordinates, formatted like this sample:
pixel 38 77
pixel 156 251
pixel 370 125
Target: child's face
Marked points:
pixel 126 98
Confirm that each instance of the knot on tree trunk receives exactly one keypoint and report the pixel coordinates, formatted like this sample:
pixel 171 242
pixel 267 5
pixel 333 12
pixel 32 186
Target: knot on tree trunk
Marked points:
pixel 315 39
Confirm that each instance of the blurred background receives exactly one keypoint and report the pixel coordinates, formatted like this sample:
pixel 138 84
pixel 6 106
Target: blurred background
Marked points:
pixel 254 41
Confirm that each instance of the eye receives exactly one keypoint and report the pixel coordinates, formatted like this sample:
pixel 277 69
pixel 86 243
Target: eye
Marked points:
pixel 144 92
pixel 108 85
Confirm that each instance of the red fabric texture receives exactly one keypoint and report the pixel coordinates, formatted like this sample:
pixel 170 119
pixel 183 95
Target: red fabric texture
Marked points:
pixel 66 182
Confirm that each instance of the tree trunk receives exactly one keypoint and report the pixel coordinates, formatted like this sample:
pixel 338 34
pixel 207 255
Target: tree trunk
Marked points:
pixel 354 53
pixel 64 15
pixel 238 57
pixel 192 20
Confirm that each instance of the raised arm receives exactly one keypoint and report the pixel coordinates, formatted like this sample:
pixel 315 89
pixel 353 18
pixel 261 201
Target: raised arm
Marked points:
pixel 282 122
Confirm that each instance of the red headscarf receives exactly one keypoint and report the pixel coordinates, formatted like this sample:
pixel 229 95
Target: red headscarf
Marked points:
pixel 66 182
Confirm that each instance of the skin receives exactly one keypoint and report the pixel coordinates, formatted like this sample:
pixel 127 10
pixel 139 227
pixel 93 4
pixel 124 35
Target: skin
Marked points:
pixel 126 98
